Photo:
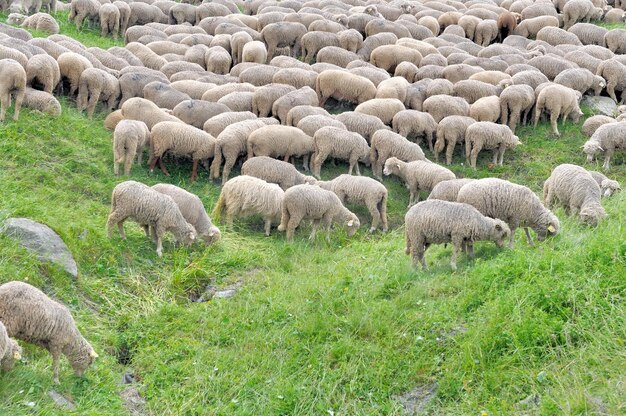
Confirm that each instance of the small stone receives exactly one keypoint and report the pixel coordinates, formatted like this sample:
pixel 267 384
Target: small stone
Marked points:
pixel 128 378
pixel 225 294
pixel 600 105
pixel 61 401
pixel 133 402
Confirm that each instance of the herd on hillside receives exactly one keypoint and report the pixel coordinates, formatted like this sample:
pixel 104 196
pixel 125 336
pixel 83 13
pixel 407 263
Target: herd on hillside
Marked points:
pixel 211 84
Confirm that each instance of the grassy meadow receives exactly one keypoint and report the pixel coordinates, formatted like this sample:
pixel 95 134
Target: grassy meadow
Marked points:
pixel 344 327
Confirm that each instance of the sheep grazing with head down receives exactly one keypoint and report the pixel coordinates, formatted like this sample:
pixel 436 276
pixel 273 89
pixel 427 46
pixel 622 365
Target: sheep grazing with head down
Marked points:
pixel 339 143
pixel 281 141
pixel 450 131
pixel 488 135
pixel 10 351
pixel 193 211
pixel 343 86
pixel 559 101
pixel 244 196
pixel 149 208
pixel 308 202
pixel 283 174
pixel 31 316
pixel 607 139
pixel 418 175
pixel 130 137
pixel 448 190
pixel 95 85
pixel 574 188
pixel 386 144
pixel 607 186
pixel 413 122
pixel 362 191
pixel 12 82
pixel 514 204
pixel 439 222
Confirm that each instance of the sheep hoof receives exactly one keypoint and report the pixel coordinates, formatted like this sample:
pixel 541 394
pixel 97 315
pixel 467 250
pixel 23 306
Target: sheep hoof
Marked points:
pixel 372 230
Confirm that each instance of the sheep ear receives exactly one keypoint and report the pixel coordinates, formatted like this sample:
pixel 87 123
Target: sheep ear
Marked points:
pixel 519 143
pixel 601 149
pixel 551 228
pixel 93 354
pixel 350 223
pixel 17 356
pixel 212 233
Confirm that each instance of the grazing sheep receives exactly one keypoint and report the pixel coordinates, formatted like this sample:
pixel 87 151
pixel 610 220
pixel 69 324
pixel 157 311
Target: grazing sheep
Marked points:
pixel 181 140
pixel 388 57
pixel 41 101
pixel 486 109
pixel 506 24
pixel 29 315
pixel 436 222
pixel 197 112
pixel 84 9
pixel 283 174
pixel 313 41
pixel 472 90
pixel 12 83
pixel 280 141
pixel 486 32
pixel 10 351
pixel 216 124
pixel 283 35
pixel 302 96
pixel 343 86
pixel 408 122
pixel 589 34
pixel 530 78
pixel 488 135
pixel 559 101
pixel 580 10
pixel 95 85
pixel 364 124
pixel 592 123
pixel 450 131
pixel 149 208
pixel 516 102
pixel 441 106
pixel 574 188
pixel 607 186
pixel 299 112
pixel 362 191
pixel 514 204
pixel 109 15
pixel 130 137
pixel 340 144
pixel 418 175
pixel 606 139
pixel 254 51
pixel 193 211
pixel 614 72
pixel 143 110
pixel 386 144
pixel 529 28
pixel 143 14
pixel 42 69
pixel 244 196
pixel 42 22
pixel 374 41
pixel 383 108
pixel 71 66
pixel 311 124
pixel 448 190
pixel 308 202
pixel 556 36
pixel 581 80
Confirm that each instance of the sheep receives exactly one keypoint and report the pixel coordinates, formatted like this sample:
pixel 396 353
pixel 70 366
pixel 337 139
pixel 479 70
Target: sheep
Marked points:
pixel 83 9
pixel 173 67
pixel 338 143
pixel 374 41
pixel 531 78
pixel 580 10
pixel 129 139
pixel 112 120
pixel 343 86
pixel 486 109
pixel 514 204
pixel 307 202
pixel 388 57
pixel 386 144
pixel 299 112
pixel 12 82
pixel 312 42
pixel 39 21
pixel 614 72
pixel 364 124
pixel 7 52
pixel 488 135
pixel 43 70
pixel 538 9
pixel 441 106
pixel 301 96
pixel 232 142
pixel 363 191
pixel 95 85
pixel 506 24
pixel 556 36
pixel 245 196
pixel 558 100
pixel 145 54
pixel 41 101
pixel 486 32
pixel 197 112
pixel 436 222
pixel 31 316
pixel 472 90
pixel 192 209
pixel 592 123
pixel 283 34
pixel 516 101
pixel 350 40
pixel 490 77
pixel 439 86
pixel 383 108
pixel 282 173
pixel 607 186
pixel 589 34
pixel 280 141
pixel 10 351
pixel 132 84
pixel 448 190
pixel 181 140
pixel 576 189
pixel 216 124
pixel 615 16
pixel 450 131
pixel 109 15
pixel 606 139
pixel 214 94
pixel 409 122
pixel 238 101
pixel 149 208
pixel 581 80
pixel 311 124
pixel 142 14
pixel 254 51
pixel 418 175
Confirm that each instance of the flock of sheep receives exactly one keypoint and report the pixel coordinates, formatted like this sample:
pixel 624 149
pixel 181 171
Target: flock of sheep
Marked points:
pixel 207 83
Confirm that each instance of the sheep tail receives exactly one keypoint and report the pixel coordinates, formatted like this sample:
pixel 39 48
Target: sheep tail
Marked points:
pixel 219 207
pixel 217 162
pixel 119 152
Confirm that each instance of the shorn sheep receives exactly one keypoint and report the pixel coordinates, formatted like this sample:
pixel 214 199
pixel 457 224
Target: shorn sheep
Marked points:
pixel 574 188
pixel 193 211
pixel 363 191
pixel 271 170
pixel 308 202
pixel 244 196
pixel 31 316
pixel 152 210
pixel 607 139
pixel 338 143
pixel 130 137
pixel 488 135
pixel 419 175
pixel 514 204
pixel 12 82
pixel 439 222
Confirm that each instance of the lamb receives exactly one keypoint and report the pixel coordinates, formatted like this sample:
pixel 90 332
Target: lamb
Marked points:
pixel 516 101
pixel 441 106
pixel 448 190
pixel 129 139
pixel 283 174
pixel 607 186
pixel 514 204
pixel 383 108
pixel 297 113
pixel 339 143
pixel 31 316
pixel 193 211
pixel 181 140
pixel 280 141
pixel 343 86
pixel 12 82
pixel 606 139
pixel 244 196
pixel 436 222
pixel 581 80
pixel 614 72
pixel 409 122
pixel 592 123
pixel 418 175
pixel 486 109
pixel 41 101
pixel 302 96
pixel 307 202
pixel 95 85
pixel 149 208
pixel 559 101
pixel 42 22
pixel 488 135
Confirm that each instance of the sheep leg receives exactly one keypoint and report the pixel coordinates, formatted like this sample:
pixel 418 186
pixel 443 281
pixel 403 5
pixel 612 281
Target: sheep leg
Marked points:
pixel 372 207
pixel 128 159
pixel 327 221
pixel 91 104
pixel 305 163
pixel 158 230
pixel 450 152
pixel 494 160
pixel 515 114
pixel 268 226
pixel 383 213
pixel 314 225
pixel 429 137
pixel 56 355
pixel 501 152
pixel 19 98
pixel 292 224
pixel 607 158
pixel 554 115
pixel 228 165
pixel 162 166
pixel 317 164
pixel 474 156
pixel 456 247
pixel 194 171
pixel 512 238
pixel 530 240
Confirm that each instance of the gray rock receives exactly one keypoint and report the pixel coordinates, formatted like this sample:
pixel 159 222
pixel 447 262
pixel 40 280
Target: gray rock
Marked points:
pixel 600 105
pixel 416 401
pixel 133 402
pixel 225 294
pixel 42 240
pixel 61 401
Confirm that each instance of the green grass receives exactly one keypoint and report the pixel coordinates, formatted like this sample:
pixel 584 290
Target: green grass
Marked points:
pixel 317 328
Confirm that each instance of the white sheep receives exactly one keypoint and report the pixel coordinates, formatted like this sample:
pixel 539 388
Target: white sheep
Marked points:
pixel 413 122
pixel 383 108
pixel 607 186
pixel 338 143
pixel 10 351
pixel 488 135
pixel 450 131
pixel 607 139
pixel 280 141
pixel 12 82
pixel 560 101
pixel 130 137
pixel 448 190
pixel 275 171
pixel 386 144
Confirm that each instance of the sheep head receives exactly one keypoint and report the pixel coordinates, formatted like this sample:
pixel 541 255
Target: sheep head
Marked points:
pixel 500 232
pixel 82 356
pixel 591 215
pixel 352 225
pixel 591 148
pixel 609 187
pixel 392 165
pixel 16 19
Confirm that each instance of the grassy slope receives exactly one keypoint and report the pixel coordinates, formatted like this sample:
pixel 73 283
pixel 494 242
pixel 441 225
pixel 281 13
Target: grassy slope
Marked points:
pixel 317 327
